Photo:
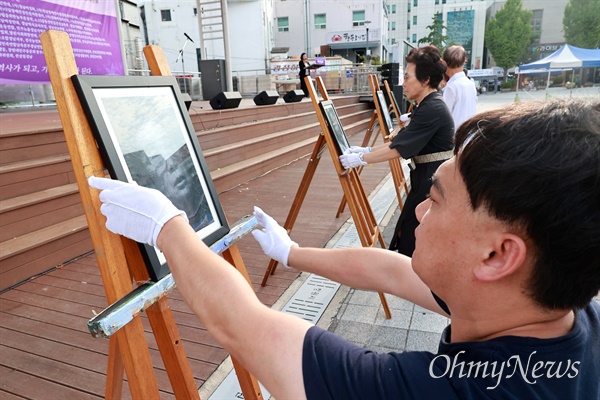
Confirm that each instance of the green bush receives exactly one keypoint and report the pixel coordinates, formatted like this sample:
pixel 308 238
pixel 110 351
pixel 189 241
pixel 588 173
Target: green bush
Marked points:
pixel 558 80
pixel 509 84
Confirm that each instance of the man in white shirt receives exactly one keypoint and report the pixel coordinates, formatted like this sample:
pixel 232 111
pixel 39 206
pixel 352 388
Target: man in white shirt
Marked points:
pixel 460 94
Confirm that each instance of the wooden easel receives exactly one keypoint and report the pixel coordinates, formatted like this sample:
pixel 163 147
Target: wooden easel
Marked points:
pixel 398 177
pixel 393 105
pixel 119 259
pixel 395 165
pixel 360 208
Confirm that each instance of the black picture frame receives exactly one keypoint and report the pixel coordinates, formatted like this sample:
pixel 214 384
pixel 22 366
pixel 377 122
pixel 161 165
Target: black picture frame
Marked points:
pixel 335 126
pixel 145 134
pixel 385 112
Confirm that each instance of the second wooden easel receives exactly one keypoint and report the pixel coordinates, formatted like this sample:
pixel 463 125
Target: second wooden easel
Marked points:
pixel 358 202
pixel 400 184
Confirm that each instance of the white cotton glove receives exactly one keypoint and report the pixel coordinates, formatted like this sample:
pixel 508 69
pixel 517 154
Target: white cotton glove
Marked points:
pixel 134 211
pixel 352 160
pixel 358 149
pixel 405 117
pixel 273 238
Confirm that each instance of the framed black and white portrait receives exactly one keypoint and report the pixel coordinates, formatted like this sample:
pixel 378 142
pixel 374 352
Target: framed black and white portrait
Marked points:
pixel 146 136
pixel 335 126
pixel 383 106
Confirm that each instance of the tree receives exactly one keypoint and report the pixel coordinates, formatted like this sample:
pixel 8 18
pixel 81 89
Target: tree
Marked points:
pixel 436 35
pixel 508 34
pixel 581 23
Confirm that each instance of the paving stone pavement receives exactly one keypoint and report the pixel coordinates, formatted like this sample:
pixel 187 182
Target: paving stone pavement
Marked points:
pixel 360 318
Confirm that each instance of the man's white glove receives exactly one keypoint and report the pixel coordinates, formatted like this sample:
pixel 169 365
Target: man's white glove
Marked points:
pixel 273 238
pixel 358 149
pixel 405 117
pixel 134 211
pixel 352 160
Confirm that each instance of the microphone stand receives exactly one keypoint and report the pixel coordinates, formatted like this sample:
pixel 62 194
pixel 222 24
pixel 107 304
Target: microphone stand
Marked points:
pixel 183 62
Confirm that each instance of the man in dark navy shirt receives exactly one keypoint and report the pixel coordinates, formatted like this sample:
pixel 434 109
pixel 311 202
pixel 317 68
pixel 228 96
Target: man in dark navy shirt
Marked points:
pixel 507 241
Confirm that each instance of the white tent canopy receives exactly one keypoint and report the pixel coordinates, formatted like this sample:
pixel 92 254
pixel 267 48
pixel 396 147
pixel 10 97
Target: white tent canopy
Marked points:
pixel 566 57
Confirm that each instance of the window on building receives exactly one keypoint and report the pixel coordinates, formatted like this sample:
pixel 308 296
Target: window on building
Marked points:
pixel 320 21
pixel 415 3
pixel 443 1
pixel 393 25
pixel 387 8
pixel 393 9
pixel 414 38
pixel 408 24
pixel 283 24
pixel 358 18
pixel 165 15
pixel 437 2
pixel 536 25
pixel 408 6
pixel 195 11
pixel 414 19
pixel 393 40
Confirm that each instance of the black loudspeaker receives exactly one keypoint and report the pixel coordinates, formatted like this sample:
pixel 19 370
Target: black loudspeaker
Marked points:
pixel 266 97
pixel 226 100
pixel 293 96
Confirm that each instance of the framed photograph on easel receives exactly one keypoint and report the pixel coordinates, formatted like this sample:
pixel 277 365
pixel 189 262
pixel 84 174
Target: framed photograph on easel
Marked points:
pixel 335 125
pixel 145 135
pixel 385 112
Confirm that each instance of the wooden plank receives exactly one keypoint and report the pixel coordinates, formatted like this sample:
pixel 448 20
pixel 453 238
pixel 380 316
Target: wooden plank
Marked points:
pixel 29 153
pixel 15 381
pixel 40 216
pixel 78 357
pixel 36 184
pixel 43 258
pixel 45 196
pixel 40 237
pixel 25 139
pixel 79 379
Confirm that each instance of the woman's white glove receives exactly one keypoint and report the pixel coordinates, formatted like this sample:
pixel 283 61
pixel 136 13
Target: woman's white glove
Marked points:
pixel 405 117
pixel 358 149
pixel 352 160
pixel 273 238
pixel 134 211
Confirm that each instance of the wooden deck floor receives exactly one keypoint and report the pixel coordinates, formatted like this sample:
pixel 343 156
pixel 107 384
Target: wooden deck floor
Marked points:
pixel 46 351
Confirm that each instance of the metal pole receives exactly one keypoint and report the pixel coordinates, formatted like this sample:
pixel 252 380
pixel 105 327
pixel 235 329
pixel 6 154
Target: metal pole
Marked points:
pixel 226 45
pixel 367 49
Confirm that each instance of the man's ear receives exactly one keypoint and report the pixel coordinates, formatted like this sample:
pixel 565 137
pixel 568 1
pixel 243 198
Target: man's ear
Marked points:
pixel 506 257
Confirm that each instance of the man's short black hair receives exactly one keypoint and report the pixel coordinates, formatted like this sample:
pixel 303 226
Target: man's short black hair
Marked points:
pixel 536 166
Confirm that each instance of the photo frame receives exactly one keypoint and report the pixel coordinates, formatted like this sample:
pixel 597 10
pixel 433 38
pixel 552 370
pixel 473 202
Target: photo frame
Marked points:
pixel 335 126
pixel 385 113
pixel 145 134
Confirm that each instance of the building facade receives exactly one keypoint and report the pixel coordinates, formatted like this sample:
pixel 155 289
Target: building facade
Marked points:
pixel 249 35
pixel 546 27
pixel 332 28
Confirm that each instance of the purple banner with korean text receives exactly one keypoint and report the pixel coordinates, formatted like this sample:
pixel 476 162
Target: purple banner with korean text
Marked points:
pixel 92 26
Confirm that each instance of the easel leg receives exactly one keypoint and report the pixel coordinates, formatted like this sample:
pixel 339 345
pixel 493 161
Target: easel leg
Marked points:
pixel 365 143
pixel 311 168
pixel 114 372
